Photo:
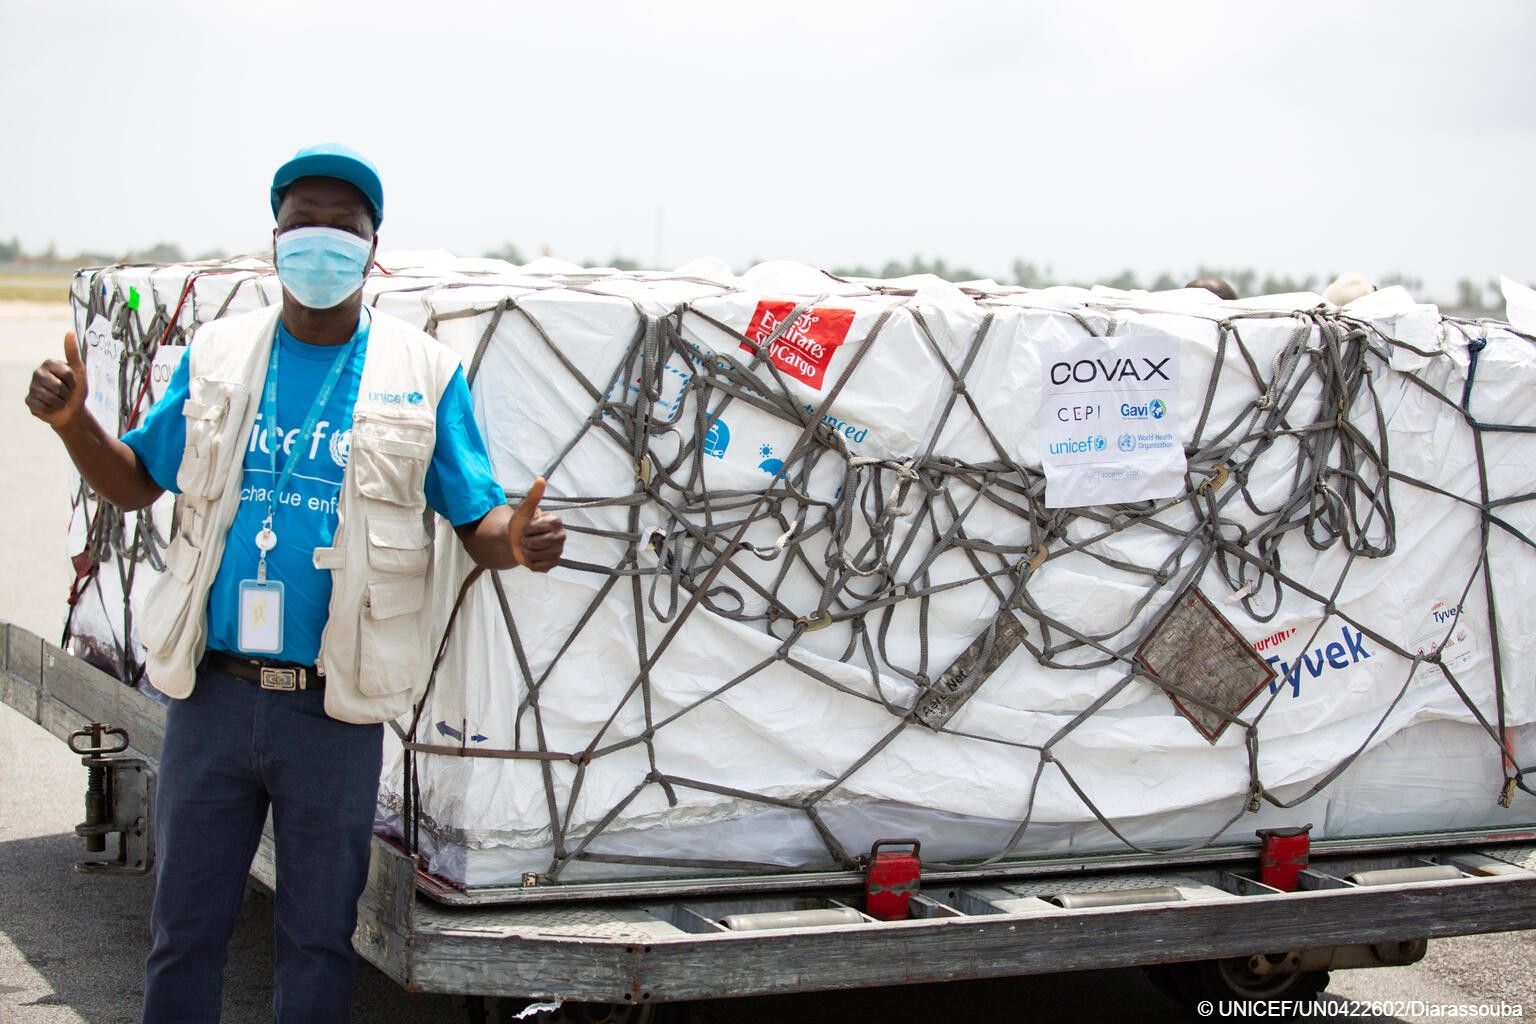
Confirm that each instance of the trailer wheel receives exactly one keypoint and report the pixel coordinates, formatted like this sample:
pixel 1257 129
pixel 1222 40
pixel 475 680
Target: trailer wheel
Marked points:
pixel 1215 981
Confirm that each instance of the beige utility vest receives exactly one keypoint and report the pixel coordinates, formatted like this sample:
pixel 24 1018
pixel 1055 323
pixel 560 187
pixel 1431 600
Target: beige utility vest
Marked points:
pixel 376 649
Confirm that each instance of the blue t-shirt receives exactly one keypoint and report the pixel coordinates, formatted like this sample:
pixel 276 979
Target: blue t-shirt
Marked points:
pixel 459 484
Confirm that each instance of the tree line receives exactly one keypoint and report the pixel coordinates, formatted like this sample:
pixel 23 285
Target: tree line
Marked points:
pixel 161 252
pixel 1472 298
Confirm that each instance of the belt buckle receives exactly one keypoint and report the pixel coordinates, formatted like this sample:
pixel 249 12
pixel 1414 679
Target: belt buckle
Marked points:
pixel 279 678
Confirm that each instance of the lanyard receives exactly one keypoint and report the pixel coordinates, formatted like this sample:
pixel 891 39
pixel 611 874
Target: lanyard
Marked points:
pixel 266 539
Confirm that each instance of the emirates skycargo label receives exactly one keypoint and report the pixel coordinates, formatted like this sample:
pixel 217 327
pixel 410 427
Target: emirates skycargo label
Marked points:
pixel 805 348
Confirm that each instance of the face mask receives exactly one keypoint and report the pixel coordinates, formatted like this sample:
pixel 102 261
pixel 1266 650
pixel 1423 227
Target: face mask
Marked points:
pixel 321 266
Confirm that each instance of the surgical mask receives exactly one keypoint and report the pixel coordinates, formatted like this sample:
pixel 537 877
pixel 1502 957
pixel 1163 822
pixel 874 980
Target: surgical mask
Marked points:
pixel 320 267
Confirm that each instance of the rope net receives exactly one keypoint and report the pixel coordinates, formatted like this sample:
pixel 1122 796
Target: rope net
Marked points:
pixel 815 595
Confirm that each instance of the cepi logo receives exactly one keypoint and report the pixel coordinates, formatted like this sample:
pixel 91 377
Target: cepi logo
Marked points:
pixel 1155 409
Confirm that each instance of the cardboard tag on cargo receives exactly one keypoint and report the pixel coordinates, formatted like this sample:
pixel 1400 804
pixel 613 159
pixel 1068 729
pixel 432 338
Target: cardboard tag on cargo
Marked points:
pixel 1109 420
pixel 103 357
pixel 1194 647
pixel 167 358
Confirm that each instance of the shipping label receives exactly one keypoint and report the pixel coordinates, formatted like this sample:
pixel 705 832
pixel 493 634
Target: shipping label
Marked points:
pixel 1445 628
pixel 103 355
pixel 167 358
pixel 1109 420
pixel 1326 653
pixel 804 350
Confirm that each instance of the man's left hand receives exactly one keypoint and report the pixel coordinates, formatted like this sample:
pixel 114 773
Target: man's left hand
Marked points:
pixel 536 538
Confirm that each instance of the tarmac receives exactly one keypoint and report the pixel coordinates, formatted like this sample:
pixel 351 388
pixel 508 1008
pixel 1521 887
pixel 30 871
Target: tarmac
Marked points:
pixel 72 946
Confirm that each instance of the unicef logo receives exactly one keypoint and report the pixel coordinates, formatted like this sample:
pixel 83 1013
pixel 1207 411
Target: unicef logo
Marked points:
pixel 416 398
pixel 1127 443
pixel 1158 409
pixel 1098 443
pixel 341 448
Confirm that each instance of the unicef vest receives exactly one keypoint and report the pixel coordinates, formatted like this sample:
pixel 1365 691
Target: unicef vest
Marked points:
pixel 376 648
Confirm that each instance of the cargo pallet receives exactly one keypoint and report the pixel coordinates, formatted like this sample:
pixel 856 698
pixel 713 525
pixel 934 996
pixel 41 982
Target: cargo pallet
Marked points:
pixel 1203 922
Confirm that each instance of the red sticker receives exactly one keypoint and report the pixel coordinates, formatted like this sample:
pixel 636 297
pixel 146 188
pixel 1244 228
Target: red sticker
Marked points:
pixel 805 348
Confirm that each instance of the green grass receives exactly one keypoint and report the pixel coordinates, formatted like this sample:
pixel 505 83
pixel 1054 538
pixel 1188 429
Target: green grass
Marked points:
pixel 40 287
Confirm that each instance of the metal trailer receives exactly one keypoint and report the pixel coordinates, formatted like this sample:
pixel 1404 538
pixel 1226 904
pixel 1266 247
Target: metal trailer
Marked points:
pixel 1203 924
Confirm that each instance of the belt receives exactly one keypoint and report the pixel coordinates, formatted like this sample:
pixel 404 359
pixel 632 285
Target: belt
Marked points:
pixel 269 675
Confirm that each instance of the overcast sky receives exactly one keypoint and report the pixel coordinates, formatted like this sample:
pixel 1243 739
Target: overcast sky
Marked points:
pixel 1296 137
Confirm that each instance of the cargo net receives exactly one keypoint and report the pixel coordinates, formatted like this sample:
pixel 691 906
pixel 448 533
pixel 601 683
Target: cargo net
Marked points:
pixel 124 318
pixel 708 554
pixel 868 531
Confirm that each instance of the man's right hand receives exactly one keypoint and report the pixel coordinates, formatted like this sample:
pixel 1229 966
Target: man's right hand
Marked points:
pixel 113 470
pixel 58 389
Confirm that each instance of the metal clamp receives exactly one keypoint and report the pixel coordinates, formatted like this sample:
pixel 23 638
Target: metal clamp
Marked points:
pixel 1212 483
pixel 821 620
pixel 119 800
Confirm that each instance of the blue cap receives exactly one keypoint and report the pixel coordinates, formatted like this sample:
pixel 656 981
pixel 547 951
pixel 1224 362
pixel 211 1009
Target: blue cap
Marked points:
pixel 332 160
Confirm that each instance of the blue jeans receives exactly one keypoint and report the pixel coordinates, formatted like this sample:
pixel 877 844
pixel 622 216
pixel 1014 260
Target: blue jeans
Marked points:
pixel 231 750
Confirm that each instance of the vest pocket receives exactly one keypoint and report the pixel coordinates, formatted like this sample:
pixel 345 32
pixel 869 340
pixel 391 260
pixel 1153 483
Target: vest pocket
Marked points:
pixel 214 411
pixel 389 458
pixel 168 602
pixel 390 636
pixel 398 543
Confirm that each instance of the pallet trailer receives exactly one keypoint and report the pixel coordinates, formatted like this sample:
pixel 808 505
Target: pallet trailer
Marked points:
pixel 1204 924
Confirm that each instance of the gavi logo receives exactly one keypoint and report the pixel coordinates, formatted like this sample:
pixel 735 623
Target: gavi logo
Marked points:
pixel 1155 409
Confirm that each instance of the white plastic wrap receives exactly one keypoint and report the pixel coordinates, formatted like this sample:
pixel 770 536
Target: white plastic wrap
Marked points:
pixel 772 558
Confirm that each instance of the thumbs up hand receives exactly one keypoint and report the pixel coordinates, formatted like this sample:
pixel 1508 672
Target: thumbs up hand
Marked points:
pixel 536 538
pixel 58 390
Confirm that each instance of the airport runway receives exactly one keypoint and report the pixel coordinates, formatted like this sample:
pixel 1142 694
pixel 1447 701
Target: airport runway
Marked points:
pixel 72 946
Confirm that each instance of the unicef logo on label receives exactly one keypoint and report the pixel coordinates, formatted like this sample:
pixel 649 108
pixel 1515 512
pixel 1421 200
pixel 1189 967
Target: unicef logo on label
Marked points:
pixel 1098 442
pixel 416 398
pixel 341 448
pixel 1158 408
pixel 1127 443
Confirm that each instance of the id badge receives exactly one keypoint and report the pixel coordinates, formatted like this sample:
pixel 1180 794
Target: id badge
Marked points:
pixel 261 616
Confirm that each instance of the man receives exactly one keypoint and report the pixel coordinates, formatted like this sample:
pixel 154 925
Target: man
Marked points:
pixel 1216 286
pixel 305 446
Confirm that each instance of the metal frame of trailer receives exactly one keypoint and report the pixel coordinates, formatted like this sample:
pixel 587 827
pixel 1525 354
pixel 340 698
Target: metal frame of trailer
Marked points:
pixel 661 940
